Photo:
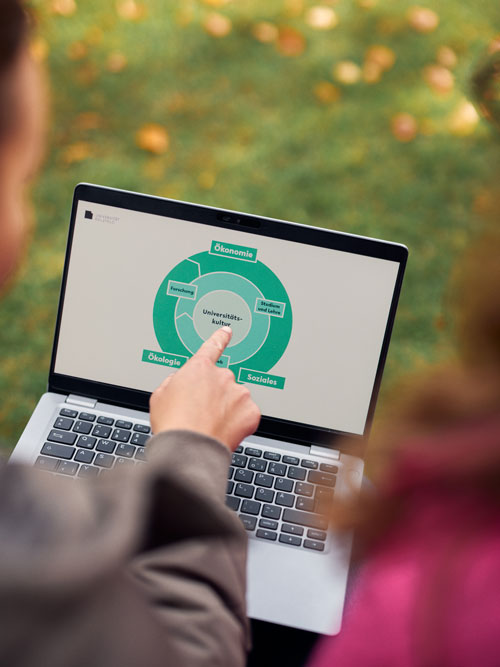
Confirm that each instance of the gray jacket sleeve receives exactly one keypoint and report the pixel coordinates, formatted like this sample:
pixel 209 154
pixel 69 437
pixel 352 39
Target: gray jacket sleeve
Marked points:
pixel 145 566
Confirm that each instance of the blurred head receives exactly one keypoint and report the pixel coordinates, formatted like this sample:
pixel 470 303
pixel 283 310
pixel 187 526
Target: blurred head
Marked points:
pixel 22 119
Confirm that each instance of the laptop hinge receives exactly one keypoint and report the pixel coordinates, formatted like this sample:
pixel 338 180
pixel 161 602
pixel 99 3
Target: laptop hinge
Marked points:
pixel 324 452
pixel 81 401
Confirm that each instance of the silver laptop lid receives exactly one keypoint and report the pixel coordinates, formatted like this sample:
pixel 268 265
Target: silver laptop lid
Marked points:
pixel 147 280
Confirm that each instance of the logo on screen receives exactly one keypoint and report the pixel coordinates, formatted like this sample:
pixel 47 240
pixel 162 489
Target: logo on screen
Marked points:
pixel 89 215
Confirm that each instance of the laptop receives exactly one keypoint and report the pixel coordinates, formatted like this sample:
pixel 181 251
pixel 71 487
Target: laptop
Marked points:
pixel 146 280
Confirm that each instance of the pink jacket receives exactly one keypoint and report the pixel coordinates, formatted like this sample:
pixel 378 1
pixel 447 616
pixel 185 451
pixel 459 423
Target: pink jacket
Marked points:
pixel 429 592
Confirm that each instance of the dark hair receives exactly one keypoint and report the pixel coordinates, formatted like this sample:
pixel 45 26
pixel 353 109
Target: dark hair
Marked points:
pixel 13 35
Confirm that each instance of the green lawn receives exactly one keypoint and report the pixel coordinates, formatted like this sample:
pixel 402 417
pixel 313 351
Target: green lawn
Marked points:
pixel 265 127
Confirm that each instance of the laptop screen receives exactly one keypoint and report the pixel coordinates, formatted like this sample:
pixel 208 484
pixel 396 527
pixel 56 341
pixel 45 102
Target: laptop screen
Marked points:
pixel 144 291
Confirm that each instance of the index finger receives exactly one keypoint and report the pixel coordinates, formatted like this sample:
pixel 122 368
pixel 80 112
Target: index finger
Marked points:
pixel 214 346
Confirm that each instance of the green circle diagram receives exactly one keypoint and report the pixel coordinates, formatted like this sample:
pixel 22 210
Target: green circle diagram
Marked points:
pixel 206 291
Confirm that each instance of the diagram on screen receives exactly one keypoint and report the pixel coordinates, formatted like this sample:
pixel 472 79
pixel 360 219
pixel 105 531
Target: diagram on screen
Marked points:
pixel 226 285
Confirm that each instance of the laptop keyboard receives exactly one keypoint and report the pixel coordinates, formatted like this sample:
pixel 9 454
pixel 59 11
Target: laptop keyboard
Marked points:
pixel 280 497
pixel 83 444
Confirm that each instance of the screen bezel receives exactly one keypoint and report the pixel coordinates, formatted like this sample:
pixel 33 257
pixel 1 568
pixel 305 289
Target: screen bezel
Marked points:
pixel 252 224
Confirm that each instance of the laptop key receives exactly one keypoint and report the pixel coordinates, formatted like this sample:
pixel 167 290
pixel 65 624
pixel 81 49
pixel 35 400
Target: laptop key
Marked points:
pixel 250 451
pixel 251 507
pixel 296 473
pixel 248 521
pixel 243 490
pixel 239 461
pixel 290 539
pixel 86 441
pixel 304 489
pixel 230 472
pixel 121 423
pixel 257 464
pixel 101 431
pixel 238 450
pixel 272 456
pixel 120 461
pixel 84 456
pixel 312 544
pixel 82 427
pixel 264 480
pixel 139 439
pixel 266 535
pixel 107 421
pixel 285 499
pixel 291 460
pixel 325 467
pixel 67 468
pixel 104 460
pixel 61 451
pixel 140 454
pixel 121 435
pixel 322 478
pixel 307 463
pixel 65 424
pixel 282 484
pixel 264 495
pixel 65 412
pixel 142 428
pixel 44 463
pixel 316 535
pixel 230 487
pixel 63 437
pixel 276 469
pixel 305 519
pixel 305 504
pixel 291 529
pixel 107 446
pixel 87 416
pixel 242 475
pixel 271 512
pixel 268 524
pixel 323 493
pixel 125 450
pixel 88 471
pixel 233 502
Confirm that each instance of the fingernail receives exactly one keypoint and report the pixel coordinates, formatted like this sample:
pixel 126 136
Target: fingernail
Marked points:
pixel 227 329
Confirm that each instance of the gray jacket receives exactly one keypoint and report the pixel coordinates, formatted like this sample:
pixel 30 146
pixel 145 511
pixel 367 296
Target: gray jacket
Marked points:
pixel 145 566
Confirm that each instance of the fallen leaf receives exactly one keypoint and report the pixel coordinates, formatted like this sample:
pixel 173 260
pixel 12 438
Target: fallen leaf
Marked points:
pixel 423 19
pixel 116 62
pixel 293 7
pixel 372 72
pixel 130 10
pixel 347 72
pixel 94 35
pixel 87 74
pixel 88 120
pixel 206 180
pixel 446 57
pixel 321 17
pixel 326 92
pixel 216 3
pixel 39 49
pixel 265 32
pixel 291 42
pixel 381 55
pixel 76 152
pixel 63 7
pixel 464 119
pixel 494 45
pixel 440 79
pixel 404 127
pixel 153 138
pixel 77 50
pixel 217 25
pixel 367 4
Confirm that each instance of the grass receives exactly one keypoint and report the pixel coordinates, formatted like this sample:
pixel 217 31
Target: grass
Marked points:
pixel 247 130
